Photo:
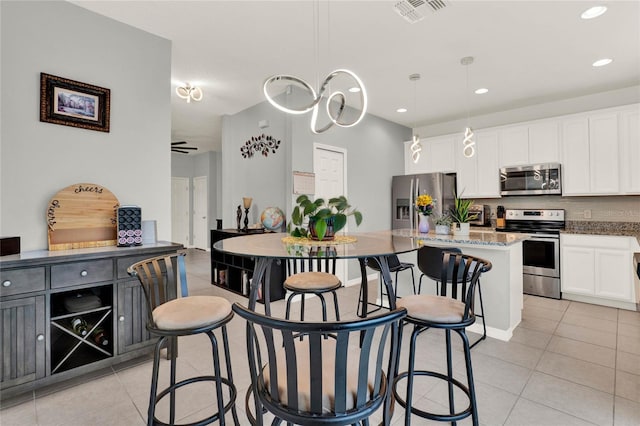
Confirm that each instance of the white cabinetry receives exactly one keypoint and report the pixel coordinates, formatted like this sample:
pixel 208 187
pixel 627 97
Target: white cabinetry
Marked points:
pixel 479 176
pixel 603 153
pixel 598 269
pixel 536 143
pixel 575 156
pixel 437 155
pixel 544 142
pixel 600 153
pixel 630 151
pixel 514 146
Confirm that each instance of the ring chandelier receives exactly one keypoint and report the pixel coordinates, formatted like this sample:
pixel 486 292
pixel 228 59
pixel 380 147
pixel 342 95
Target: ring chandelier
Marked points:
pixel 335 96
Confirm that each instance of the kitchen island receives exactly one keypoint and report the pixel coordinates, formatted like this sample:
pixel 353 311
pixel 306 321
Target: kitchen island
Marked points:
pixel 501 287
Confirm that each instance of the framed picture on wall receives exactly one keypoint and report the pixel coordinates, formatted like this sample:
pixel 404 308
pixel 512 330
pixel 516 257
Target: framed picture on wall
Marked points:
pixel 73 103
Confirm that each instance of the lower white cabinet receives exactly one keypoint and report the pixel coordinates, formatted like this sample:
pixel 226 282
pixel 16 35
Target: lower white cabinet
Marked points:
pixel 599 267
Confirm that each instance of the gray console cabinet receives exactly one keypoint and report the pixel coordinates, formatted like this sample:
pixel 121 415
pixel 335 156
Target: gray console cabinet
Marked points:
pixel 39 346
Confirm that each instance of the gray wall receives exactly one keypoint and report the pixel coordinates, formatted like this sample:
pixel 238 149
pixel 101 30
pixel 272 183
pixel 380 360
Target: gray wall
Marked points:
pixel 261 178
pixel 39 159
pixel 374 154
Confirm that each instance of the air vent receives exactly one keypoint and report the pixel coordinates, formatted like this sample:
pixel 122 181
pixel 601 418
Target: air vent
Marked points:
pixel 415 10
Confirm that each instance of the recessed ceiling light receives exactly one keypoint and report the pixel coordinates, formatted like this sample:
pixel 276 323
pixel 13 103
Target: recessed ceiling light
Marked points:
pixel 354 89
pixel 481 91
pixel 593 12
pixel 401 110
pixel 602 62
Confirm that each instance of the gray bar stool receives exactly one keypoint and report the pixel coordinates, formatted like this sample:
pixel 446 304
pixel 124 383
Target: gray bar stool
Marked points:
pixel 184 316
pixel 312 276
pixel 450 314
pixel 430 264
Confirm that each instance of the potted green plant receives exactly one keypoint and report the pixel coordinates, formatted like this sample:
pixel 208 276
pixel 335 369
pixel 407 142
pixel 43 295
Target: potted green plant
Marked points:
pixel 461 215
pixel 325 218
pixel 443 223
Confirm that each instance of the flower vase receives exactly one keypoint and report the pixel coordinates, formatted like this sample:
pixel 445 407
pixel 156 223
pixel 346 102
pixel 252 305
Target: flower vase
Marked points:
pixel 423 225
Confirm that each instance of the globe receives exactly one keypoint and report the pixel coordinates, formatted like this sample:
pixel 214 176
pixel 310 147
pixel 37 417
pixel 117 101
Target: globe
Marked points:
pixel 272 218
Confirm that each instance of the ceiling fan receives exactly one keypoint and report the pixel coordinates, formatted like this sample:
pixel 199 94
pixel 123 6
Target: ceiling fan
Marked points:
pixel 177 147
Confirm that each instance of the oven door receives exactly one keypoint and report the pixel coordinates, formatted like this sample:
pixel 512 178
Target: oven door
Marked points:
pixel 541 255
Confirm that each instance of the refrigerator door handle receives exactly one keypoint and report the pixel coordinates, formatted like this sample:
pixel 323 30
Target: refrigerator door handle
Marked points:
pixel 411 205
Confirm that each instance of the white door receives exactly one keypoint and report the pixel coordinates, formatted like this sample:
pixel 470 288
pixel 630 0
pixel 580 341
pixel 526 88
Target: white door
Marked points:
pixel 329 168
pixel 180 210
pixel 200 212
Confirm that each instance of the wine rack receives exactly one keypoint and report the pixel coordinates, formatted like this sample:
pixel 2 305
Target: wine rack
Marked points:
pixel 70 349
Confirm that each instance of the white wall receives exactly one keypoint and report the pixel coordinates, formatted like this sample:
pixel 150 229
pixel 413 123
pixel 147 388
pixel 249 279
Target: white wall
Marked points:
pixel 38 159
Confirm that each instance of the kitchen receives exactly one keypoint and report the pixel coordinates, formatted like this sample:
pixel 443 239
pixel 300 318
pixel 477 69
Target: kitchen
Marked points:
pixel 27 220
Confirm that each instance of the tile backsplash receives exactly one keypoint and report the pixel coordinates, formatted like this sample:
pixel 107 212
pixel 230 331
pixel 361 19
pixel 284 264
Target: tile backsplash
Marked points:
pixel 593 209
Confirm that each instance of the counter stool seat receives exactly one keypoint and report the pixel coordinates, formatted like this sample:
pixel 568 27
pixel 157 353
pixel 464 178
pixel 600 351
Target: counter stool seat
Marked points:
pixel 433 309
pixel 312 282
pixel 191 312
pixel 450 314
pixel 169 318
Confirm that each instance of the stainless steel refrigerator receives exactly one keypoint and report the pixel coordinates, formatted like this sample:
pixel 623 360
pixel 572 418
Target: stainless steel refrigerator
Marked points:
pixel 405 190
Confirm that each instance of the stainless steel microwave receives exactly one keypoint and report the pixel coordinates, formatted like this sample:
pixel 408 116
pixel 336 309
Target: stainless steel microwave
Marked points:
pixel 540 179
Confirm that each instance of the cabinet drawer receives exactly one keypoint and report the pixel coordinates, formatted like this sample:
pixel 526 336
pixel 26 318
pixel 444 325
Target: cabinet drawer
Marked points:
pixel 81 273
pixel 18 281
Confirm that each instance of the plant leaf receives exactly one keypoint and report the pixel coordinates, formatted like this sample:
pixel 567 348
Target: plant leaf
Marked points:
pixel 321 229
pixel 339 222
pixel 358 216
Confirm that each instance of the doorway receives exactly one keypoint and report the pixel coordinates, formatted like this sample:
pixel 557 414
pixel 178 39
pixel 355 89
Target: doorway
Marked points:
pixel 180 210
pixel 200 212
pixel 329 166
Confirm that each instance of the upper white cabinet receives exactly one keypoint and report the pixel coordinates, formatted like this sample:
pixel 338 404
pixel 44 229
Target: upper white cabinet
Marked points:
pixel 514 146
pixel 598 152
pixel 536 143
pixel 479 176
pixel 630 151
pixel 544 142
pixel 575 156
pixel 437 155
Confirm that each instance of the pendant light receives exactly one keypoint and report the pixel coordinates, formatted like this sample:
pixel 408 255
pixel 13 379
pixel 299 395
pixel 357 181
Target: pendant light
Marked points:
pixel 337 96
pixel 415 147
pixel 469 144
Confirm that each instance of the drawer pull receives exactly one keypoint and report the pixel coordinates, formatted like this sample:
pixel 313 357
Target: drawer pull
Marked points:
pixel 6 283
pixel 121 318
pixel 40 337
pixel 84 273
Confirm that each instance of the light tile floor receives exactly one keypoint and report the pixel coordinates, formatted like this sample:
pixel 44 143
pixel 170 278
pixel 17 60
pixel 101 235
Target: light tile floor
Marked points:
pixel 568 363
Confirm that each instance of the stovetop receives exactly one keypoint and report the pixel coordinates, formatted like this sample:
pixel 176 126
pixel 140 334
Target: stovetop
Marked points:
pixel 533 221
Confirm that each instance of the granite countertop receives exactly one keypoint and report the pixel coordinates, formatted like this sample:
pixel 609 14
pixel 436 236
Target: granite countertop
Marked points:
pixel 486 237
pixel 624 229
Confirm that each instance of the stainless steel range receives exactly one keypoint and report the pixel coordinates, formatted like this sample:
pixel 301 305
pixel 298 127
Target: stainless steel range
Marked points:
pixel 540 253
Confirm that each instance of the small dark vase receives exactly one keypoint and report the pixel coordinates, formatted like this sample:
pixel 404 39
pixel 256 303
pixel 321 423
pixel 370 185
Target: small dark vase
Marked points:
pixel 328 235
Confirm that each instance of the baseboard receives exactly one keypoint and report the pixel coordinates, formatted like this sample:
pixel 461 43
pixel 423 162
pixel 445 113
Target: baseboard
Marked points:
pixel 630 306
pixel 496 333
pixel 358 281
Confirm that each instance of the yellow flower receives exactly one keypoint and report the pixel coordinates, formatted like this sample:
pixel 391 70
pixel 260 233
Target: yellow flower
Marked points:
pixel 424 200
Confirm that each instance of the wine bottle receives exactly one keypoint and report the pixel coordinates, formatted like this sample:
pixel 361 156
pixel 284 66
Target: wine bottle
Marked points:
pixel 100 337
pixel 79 326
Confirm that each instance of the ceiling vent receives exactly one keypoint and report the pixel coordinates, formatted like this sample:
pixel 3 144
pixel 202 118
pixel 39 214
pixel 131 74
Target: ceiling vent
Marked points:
pixel 415 10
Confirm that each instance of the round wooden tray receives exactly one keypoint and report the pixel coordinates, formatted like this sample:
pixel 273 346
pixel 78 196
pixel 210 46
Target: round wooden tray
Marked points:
pixel 82 215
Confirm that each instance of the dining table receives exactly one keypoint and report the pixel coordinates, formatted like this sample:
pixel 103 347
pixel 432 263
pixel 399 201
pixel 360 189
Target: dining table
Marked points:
pixel 365 247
